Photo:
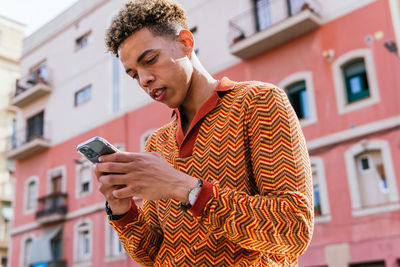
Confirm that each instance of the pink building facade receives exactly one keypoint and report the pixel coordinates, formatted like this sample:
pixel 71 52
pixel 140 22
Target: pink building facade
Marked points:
pixel 337 61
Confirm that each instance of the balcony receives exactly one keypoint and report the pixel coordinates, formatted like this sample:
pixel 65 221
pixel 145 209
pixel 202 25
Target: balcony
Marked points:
pixel 31 87
pixel 270 24
pixel 27 142
pixel 52 208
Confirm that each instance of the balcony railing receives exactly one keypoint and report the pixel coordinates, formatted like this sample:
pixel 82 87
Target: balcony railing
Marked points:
pixel 25 142
pixel 272 23
pixel 52 208
pixel 55 263
pixel 31 87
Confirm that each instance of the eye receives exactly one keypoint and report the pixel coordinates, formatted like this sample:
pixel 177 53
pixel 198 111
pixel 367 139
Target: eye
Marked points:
pixel 151 60
pixel 135 76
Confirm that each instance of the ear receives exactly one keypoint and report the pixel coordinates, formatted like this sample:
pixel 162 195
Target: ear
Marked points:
pixel 186 38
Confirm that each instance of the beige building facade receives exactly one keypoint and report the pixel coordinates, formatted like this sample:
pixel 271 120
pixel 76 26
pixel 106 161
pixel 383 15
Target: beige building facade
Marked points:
pixel 11 37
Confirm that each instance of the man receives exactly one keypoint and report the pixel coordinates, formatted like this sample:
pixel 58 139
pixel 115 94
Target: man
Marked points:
pixel 230 182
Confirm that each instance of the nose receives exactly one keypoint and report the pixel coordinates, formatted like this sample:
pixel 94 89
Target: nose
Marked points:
pixel 145 78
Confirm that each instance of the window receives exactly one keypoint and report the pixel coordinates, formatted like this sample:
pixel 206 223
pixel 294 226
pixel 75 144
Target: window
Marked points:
pixel 263 14
pixel 13 139
pixel 56 180
pixel 116 245
pixel 297 94
pixel 371 178
pixel 83 95
pixel 83 41
pixel 39 74
pixel 300 91
pixel 113 246
pixel 26 251
pixel 31 194
pixel 295 6
pixel 56 246
pixel 356 85
pixel 320 192
pixel 355 76
pixel 35 127
pixel 83 240
pixel 84 175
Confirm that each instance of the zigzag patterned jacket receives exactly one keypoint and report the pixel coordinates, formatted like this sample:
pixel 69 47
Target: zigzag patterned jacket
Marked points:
pixel 255 206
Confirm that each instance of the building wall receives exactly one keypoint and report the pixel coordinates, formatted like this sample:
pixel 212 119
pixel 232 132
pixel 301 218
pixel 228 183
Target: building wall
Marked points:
pixel 11 35
pixel 348 26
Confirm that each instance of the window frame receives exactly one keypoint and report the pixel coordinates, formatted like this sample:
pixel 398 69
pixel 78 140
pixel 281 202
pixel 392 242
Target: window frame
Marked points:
pixel 351 168
pixel 340 84
pixel 79 227
pixel 83 163
pixel 324 193
pixel 23 254
pixel 27 209
pixel 87 87
pixel 307 77
pixel 350 96
pixel 62 170
pixel 78 41
pixel 111 256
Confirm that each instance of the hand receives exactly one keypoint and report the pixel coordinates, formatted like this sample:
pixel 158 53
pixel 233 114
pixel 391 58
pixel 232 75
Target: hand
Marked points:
pixel 117 206
pixel 145 175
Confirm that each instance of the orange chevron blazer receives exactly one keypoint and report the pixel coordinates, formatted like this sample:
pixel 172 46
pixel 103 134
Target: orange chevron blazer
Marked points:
pixel 255 207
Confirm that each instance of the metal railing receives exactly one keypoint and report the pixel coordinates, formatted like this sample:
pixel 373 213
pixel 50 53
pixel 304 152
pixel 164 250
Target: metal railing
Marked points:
pixel 36 76
pixel 23 135
pixel 55 203
pixel 266 14
pixel 55 263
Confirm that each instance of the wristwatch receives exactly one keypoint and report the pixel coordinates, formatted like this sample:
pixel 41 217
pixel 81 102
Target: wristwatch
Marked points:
pixel 193 193
pixel 112 217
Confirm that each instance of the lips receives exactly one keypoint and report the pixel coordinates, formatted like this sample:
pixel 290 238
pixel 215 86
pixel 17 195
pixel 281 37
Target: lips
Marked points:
pixel 157 93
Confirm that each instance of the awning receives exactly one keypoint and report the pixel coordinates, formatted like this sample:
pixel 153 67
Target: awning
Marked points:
pixel 41 249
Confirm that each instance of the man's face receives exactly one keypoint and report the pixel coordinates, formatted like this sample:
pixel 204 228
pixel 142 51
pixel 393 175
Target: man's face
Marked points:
pixel 159 64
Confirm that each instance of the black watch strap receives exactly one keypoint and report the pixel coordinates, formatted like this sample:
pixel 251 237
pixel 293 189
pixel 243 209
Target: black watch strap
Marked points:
pixel 112 217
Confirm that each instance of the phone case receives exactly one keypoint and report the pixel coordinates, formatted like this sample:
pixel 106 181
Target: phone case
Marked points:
pixel 95 147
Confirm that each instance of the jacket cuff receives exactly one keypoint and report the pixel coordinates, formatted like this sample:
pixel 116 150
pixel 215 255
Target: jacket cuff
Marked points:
pixel 204 196
pixel 132 214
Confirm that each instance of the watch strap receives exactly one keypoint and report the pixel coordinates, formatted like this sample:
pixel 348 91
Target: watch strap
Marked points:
pixel 112 217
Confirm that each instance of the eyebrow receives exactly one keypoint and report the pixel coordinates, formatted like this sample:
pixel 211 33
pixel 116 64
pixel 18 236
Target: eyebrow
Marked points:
pixel 140 58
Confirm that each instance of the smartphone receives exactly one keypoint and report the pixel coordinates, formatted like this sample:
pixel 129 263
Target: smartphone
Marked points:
pixel 95 147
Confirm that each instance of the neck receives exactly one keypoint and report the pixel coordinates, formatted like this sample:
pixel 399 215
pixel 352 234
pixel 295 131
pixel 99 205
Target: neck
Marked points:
pixel 201 88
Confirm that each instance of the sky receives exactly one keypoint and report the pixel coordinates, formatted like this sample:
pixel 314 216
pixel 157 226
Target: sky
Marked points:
pixel 33 13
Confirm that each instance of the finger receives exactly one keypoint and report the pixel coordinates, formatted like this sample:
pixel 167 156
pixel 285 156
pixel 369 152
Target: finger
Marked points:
pixel 114 179
pixel 125 192
pixel 107 191
pixel 97 173
pixel 119 157
pixel 113 167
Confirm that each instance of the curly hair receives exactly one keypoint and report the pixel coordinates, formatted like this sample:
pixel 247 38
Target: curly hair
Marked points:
pixel 161 17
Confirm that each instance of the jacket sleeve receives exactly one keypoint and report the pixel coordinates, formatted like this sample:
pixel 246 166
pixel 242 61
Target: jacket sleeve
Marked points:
pixel 279 219
pixel 139 230
pixel 139 233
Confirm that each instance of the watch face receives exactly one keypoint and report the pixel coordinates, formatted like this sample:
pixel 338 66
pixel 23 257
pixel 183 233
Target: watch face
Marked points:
pixel 193 195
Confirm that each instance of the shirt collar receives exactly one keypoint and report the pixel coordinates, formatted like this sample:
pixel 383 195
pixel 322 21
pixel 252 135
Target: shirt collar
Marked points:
pixel 224 85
